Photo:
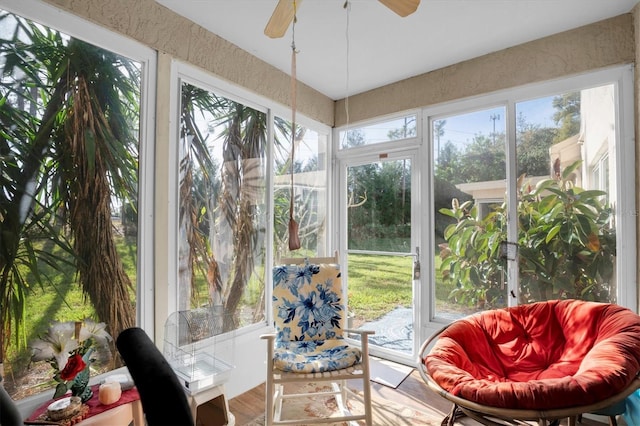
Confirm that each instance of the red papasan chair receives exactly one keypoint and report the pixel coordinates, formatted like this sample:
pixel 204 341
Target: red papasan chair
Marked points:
pixel 542 361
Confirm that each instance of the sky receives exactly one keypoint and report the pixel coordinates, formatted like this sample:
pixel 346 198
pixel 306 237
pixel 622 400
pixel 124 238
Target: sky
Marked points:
pixel 461 129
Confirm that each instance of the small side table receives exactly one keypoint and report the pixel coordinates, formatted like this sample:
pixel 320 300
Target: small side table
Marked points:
pixel 122 413
pixel 210 407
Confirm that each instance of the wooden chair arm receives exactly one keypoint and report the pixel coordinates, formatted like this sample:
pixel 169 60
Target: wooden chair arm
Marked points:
pixel 268 336
pixel 360 332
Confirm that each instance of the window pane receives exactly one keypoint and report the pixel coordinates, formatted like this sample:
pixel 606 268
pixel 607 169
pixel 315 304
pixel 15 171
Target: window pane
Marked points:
pixel 385 131
pixel 71 210
pixel 222 224
pixel 379 209
pixel 309 188
pixel 567 235
pixel 469 183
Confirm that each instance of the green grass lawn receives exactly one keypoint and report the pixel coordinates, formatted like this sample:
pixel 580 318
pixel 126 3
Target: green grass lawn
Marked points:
pixel 378 284
pixel 59 298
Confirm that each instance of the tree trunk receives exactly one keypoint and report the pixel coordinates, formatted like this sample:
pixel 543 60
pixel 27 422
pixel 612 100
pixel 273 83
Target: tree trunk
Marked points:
pixel 102 274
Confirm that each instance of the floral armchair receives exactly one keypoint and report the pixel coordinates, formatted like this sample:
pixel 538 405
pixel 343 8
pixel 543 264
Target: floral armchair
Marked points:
pixel 309 343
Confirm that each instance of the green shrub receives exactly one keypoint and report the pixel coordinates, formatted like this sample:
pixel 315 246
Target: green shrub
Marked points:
pixel 566 246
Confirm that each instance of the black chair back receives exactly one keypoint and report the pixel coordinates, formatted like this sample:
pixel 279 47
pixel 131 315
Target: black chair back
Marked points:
pixel 9 414
pixel 163 398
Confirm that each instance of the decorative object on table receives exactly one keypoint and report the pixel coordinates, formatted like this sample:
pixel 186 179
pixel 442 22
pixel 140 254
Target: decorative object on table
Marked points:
pixel 64 408
pixel 63 412
pixel 91 408
pixel 68 347
pixel 109 392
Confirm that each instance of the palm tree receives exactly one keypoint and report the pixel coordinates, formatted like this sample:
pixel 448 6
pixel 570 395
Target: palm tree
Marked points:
pixel 226 201
pixel 98 153
pixel 196 165
pixel 62 159
pixel 244 147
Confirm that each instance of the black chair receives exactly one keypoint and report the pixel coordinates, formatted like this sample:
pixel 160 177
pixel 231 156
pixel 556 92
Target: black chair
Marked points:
pixel 9 414
pixel 164 401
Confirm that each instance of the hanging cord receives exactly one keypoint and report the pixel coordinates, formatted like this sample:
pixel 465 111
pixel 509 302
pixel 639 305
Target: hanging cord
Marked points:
pixel 347 7
pixel 294 239
pixel 293 102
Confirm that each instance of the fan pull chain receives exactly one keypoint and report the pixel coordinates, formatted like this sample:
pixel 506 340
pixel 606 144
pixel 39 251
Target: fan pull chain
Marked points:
pixel 293 118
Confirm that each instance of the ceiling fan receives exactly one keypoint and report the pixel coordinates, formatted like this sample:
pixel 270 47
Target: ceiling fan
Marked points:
pixel 285 9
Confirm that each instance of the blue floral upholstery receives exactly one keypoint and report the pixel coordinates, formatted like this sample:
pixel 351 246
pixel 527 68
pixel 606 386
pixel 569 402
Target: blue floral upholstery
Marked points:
pixel 309 319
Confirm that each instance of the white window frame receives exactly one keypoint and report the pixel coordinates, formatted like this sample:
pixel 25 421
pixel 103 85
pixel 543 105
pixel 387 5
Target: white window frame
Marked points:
pixel 241 341
pixel 184 72
pixel 75 26
pixel 622 79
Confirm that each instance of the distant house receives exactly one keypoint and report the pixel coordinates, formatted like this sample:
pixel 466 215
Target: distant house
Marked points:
pixel 594 145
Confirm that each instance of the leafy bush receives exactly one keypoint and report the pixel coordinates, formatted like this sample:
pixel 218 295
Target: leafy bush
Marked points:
pixel 566 246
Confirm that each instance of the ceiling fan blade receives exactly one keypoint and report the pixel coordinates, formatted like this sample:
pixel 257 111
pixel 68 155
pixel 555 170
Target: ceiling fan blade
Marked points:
pixel 281 18
pixel 402 7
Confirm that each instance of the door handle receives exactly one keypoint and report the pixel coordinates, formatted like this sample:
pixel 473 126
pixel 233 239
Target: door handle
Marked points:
pixel 416 264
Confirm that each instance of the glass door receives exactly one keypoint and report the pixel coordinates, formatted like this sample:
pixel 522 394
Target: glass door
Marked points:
pixel 469 185
pixel 527 203
pixel 380 246
pixel 567 202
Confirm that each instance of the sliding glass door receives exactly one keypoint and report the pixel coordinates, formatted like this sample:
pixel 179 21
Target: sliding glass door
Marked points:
pixel 527 202
pixel 470 167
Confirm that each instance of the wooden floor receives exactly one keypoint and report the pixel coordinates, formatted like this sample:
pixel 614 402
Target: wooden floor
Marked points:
pixel 412 392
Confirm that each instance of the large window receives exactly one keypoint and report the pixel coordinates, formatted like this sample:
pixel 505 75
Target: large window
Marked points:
pixel 71 151
pixel 527 200
pixel 301 173
pixel 566 200
pixel 222 215
pixel 470 166
pixel 236 177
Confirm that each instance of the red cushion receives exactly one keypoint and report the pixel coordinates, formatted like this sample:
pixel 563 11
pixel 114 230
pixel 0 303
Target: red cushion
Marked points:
pixel 541 356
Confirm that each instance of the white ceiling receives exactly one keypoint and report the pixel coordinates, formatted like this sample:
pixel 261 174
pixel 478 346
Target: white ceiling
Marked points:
pixel 377 46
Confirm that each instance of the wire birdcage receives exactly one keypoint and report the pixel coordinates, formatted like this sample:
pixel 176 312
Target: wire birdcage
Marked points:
pixel 193 349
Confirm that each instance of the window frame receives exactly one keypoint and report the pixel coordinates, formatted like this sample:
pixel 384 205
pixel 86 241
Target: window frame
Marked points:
pixel 89 32
pixel 185 72
pixel 622 79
